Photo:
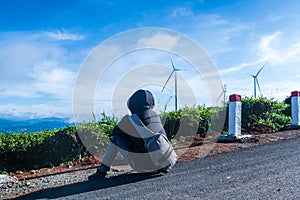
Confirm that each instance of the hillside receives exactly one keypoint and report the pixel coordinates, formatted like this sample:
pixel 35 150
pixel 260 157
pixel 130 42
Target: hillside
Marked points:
pixel 33 125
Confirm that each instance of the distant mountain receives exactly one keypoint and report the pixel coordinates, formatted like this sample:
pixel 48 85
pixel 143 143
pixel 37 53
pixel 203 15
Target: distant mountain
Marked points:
pixel 33 125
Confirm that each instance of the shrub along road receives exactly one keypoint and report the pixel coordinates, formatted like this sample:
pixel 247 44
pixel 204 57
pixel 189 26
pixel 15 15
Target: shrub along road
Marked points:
pixel 269 171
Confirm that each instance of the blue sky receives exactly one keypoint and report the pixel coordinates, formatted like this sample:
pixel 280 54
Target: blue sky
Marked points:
pixel 45 43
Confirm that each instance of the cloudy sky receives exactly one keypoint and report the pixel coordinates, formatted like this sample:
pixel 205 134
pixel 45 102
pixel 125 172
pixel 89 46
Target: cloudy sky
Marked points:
pixel 45 45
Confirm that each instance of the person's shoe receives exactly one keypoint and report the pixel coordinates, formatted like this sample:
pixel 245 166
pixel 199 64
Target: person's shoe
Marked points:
pixel 98 174
pixel 166 169
pixel 103 168
pixel 151 173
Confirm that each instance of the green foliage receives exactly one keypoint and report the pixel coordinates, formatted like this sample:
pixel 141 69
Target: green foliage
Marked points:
pixel 265 111
pixel 36 150
pixel 199 119
pixel 52 147
pixel 94 136
pixel 171 121
pixel 108 123
pixel 17 150
pixel 20 142
pixel 188 120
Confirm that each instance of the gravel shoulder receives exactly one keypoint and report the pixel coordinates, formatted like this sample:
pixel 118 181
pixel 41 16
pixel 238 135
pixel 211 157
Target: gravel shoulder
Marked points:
pixel 33 181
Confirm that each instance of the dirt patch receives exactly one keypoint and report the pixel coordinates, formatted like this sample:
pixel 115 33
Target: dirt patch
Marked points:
pixel 188 150
pixel 258 129
pixel 200 149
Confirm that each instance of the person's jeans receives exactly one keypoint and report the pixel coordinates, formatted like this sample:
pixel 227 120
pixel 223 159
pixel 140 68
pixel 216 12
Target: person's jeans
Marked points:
pixel 121 144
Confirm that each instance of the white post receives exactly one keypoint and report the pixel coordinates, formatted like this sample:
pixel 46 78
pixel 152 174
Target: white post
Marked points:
pixel 295 104
pixel 235 115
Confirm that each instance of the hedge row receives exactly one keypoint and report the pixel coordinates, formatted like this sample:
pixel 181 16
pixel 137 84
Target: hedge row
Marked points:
pixel 265 111
pixel 189 120
pixel 26 151
pixel 198 120
pixel 50 148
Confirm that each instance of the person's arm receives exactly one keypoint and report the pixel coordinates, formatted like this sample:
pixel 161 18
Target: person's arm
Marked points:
pixel 117 131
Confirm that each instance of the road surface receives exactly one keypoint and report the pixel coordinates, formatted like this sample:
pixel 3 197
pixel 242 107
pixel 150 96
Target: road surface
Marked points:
pixel 270 171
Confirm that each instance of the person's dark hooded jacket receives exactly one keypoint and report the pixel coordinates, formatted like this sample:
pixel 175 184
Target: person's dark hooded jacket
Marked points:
pixel 142 103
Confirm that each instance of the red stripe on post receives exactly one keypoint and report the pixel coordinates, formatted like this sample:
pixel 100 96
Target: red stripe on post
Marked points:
pixel 295 94
pixel 235 97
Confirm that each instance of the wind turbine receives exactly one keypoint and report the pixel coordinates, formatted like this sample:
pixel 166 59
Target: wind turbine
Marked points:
pixel 175 79
pixel 166 104
pixel 256 80
pixel 223 93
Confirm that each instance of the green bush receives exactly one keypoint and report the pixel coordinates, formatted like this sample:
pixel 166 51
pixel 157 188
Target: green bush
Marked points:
pixel 25 151
pixel 265 111
pixel 187 121
pixel 108 123
pixel 93 138
pixel 17 150
pixel 35 150
pixel 254 111
pixel 52 147
pixel 171 121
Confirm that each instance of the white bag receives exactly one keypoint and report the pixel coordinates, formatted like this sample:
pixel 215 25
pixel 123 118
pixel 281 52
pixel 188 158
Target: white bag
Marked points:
pixel 159 148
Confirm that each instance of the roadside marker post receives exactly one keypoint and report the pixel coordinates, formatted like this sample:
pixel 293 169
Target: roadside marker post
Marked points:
pixel 295 106
pixel 235 121
pixel 235 115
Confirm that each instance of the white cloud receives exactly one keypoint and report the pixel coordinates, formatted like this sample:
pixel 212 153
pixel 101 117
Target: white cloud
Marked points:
pixel 11 110
pixel 235 30
pixel 278 48
pixel 182 12
pixel 30 68
pixel 128 74
pixel 43 79
pixel 215 19
pixel 19 55
pixel 279 90
pixel 63 35
pixel 206 20
pixel 267 44
pixel 294 51
pixel 49 78
pixel 274 18
pixel 162 40
pixel 36 75
pixel 233 69
pixel 239 67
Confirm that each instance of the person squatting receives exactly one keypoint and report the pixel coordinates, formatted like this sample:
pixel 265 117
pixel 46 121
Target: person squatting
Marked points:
pixel 124 138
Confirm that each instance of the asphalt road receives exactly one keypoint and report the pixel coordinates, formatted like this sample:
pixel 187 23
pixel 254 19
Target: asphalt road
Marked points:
pixel 270 171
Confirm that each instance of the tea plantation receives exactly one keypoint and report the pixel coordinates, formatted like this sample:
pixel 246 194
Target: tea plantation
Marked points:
pixel 26 151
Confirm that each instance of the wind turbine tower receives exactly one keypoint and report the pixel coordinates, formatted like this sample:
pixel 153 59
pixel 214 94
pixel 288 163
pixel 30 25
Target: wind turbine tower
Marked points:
pixel 174 71
pixel 224 92
pixel 255 80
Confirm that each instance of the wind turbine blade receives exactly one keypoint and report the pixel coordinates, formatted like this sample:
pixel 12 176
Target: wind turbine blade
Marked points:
pixel 219 97
pixel 176 69
pixel 259 71
pixel 168 80
pixel 181 70
pixel 265 63
pixel 261 68
pixel 258 87
pixel 173 64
